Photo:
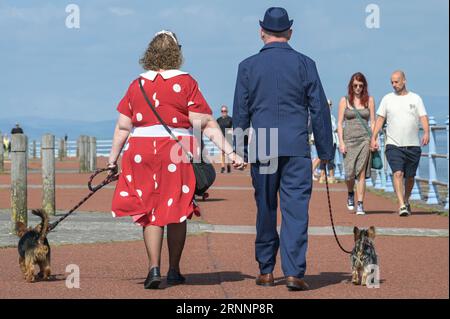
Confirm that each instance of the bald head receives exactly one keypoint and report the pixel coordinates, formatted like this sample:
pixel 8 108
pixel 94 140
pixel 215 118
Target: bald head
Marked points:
pixel 398 81
pixel 399 73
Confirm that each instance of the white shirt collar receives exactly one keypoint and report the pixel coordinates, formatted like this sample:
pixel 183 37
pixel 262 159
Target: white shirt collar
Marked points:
pixel 151 75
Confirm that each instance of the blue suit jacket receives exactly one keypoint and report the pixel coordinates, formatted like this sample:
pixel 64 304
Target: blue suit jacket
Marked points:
pixel 279 88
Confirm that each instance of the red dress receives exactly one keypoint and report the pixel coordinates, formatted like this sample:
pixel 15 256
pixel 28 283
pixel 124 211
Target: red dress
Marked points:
pixel 156 184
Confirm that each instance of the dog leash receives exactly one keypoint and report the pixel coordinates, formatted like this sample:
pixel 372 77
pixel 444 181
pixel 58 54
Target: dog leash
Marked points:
pixel 331 213
pixel 110 178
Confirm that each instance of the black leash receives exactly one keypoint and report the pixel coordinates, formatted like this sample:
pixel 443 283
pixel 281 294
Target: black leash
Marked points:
pixel 331 213
pixel 110 178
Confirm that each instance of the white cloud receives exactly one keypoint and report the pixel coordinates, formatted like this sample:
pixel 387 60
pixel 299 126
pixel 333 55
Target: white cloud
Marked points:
pixel 121 11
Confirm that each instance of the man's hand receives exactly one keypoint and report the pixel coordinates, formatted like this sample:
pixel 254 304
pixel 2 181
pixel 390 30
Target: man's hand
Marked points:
pixel 238 162
pixel 425 139
pixel 342 148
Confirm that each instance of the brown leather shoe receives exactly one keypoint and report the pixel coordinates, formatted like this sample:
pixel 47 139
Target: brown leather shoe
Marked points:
pixel 265 280
pixel 296 284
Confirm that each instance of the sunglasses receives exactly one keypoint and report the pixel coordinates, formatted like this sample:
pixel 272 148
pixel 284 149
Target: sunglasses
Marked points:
pixel 224 111
pixel 358 86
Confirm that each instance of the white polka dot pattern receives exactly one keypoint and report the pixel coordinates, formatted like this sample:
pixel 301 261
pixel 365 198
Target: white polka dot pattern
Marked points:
pixel 177 88
pixel 138 158
pixel 172 168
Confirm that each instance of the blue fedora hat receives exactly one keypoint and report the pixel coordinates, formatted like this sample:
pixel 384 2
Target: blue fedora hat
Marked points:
pixel 276 20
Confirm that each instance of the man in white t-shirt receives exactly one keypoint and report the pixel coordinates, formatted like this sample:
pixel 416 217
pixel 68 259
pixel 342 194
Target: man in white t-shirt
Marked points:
pixel 402 110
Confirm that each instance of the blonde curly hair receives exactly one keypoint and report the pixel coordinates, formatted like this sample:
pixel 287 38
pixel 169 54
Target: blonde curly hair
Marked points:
pixel 163 53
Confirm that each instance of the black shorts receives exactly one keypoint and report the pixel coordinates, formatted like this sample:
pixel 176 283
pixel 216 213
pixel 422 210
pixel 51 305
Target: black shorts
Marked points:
pixel 405 159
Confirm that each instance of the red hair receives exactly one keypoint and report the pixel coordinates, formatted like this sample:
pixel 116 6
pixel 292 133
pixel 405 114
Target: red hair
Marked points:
pixel 365 91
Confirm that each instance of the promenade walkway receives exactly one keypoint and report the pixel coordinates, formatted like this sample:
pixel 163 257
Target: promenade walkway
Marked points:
pixel 218 260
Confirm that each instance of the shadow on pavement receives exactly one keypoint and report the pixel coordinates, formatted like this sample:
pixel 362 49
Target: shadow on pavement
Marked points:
pixel 390 212
pixel 212 200
pixel 207 279
pixel 380 212
pixel 321 280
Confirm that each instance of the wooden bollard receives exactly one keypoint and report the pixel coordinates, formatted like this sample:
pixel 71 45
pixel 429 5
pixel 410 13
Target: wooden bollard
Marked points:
pixel 81 154
pixel 2 156
pixel 48 173
pixel 86 152
pixel 92 153
pixel 19 145
pixel 65 148
pixel 61 150
pixel 77 154
pixel 33 149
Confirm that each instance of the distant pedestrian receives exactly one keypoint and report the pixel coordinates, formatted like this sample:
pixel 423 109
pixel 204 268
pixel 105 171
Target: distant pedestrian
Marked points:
pixel 402 110
pixel 226 124
pixel 355 111
pixel 17 129
pixel 330 165
pixel 6 145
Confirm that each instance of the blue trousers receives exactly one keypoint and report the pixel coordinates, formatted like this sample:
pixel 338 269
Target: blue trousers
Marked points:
pixel 293 181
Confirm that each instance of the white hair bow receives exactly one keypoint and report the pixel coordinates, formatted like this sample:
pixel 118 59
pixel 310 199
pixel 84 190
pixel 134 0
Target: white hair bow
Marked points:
pixel 168 33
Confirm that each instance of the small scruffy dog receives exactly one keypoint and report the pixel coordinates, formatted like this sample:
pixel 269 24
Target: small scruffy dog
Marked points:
pixel 34 248
pixel 363 254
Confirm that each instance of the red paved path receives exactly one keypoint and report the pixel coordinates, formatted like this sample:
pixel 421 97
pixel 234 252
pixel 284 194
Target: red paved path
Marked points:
pixel 223 265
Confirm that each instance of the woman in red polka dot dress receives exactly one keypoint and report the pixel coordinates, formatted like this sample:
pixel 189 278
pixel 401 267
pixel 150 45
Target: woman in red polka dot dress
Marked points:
pixel 156 184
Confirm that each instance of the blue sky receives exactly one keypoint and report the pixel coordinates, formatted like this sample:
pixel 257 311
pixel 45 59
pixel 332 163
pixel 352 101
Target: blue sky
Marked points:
pixel 50 71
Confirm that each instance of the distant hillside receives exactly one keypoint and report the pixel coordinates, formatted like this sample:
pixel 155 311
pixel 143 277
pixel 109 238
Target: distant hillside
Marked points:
pixel 34 127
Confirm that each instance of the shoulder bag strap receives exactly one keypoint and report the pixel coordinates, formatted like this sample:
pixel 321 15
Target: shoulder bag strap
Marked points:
pixel 189 154
pixel 361 120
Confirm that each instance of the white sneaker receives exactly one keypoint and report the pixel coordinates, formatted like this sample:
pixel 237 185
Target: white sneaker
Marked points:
pixel 351 202
pixel 360 209
pixel 404 212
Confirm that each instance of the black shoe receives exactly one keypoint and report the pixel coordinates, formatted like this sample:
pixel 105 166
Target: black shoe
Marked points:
pixel 175 278
pixel 153 279
pixel 222 170
pixel 228 169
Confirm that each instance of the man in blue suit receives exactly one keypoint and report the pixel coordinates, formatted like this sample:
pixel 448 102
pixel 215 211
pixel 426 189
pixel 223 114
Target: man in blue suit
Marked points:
pixel 276 91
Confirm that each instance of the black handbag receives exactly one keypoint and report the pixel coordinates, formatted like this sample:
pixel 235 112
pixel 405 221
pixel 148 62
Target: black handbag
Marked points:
pixel 205 174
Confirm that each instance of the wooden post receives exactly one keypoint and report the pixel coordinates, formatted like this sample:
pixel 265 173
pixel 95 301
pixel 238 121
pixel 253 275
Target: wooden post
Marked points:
pixel 78 147
pixel 86 152
pixel 48 173
pixel 92 153
pixel 61 149
pixel 2 165
pixel 34 149
pixel 81 154
pixel 65 148
pixel 19 144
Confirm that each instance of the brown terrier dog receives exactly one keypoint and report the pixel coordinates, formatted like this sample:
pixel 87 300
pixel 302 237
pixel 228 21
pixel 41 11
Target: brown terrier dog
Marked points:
pixel 34 248
pixel 363 255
